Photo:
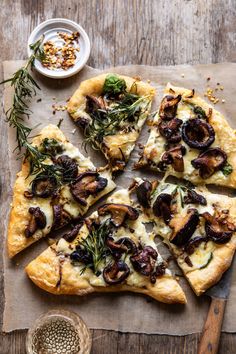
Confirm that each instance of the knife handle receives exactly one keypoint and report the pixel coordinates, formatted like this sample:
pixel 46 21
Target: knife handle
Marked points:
pixel 210 337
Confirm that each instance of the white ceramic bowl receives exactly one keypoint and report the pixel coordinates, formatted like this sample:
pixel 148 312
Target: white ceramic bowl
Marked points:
pixel 49 29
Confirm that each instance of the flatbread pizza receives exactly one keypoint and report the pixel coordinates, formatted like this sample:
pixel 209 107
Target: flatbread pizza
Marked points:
pixel 41 204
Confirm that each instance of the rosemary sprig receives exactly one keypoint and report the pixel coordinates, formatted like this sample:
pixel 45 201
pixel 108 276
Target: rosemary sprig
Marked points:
pixel 25 88
pixel 95 245
pixel 107 121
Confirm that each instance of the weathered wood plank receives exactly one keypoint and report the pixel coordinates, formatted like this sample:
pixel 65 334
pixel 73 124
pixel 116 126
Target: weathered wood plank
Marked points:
pixel 127 32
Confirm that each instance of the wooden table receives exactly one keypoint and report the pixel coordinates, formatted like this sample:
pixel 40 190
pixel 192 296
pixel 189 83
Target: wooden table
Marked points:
pixel 154 32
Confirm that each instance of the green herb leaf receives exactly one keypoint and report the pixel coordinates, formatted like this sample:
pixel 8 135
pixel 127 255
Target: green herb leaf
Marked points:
pixel 227 169
pixel 113 85
pixel 200 113
pixel 95 245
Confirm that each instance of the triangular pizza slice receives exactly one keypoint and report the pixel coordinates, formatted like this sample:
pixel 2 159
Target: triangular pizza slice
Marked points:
pixel 198 227
pixel 107 252
pixel 111 109
pixel 41 204
pixel 190 139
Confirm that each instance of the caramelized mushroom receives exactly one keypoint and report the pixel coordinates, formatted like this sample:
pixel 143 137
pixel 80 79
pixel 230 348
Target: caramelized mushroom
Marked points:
pixel 86 184
pixel 143 192
pixel 94 103
pixel 116 273
pixel 123 245
pixel 162 207
pixel 183 227
pixel 198 134
pixel 193 197
pixel 81 255
pixel 43 186
pixel 69 166
pixel 119 213
pixel 209 161
pixel 37 221
pixel 194 243
pixel 60 217
pixel 144 261
pixel 216 230
pixel 169 106
pixel 174 157
pixel 170 130
pixel 71 235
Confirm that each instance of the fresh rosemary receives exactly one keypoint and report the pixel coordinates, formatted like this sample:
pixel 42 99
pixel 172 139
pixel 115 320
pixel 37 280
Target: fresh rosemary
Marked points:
pixel 95 245
pixel 107 121
pixel 25 88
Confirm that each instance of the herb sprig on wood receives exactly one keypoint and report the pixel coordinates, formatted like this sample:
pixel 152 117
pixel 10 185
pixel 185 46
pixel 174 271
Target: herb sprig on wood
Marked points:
pixel 25 87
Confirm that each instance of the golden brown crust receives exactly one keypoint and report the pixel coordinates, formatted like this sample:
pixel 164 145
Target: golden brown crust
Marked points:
pixel 19 216
pixel 44 272
pixel 226 140
pixel 112 145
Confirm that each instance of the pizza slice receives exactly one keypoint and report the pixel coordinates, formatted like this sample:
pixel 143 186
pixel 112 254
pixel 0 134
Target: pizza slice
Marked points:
pixel 40 203
pixel 111 109
pixel 198 227
pixel 107 252
pixel 190 139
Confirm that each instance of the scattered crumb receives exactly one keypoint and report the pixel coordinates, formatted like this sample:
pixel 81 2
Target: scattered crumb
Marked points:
pixel 221 88
pixel 148 81
pixel 208 79
pixel 73 131
pixel 223 101
pixel 39 99
pixel 182 75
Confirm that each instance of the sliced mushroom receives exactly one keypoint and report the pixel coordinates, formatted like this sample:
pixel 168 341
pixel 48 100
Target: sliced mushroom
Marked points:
pixel 209 161
pixel 86 184
pixel 193 197
pixel 116 273
pixel 170 130
pixel 162 207
pixel 70 236
pixel 174 157
pixel 69 166
pixel 198 134
pixel 37 221
pixel 193 243
pixel 143 192
pixel 94 103
pixel 217 231
pixel 144 261
pixel 169 106
pixel 123 245
pixel 60 217
pixel 119 213
pixel 44 186
pixel 183 227
pixel 81 255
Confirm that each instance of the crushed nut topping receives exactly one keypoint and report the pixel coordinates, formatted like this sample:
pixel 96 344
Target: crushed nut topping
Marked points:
pixel 61 57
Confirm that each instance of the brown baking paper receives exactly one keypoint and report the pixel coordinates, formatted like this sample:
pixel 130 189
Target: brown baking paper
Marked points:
pixel 125 312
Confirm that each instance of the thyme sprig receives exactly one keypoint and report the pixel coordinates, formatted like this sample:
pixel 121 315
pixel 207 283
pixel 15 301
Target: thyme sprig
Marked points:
pixel 107 121
pixel 25 87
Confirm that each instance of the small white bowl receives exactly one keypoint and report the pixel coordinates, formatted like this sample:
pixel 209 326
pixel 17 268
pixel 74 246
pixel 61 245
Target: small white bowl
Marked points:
pixel 49 29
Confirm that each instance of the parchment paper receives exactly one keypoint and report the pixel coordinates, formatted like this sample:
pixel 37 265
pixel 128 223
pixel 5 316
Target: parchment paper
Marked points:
pixel 24 302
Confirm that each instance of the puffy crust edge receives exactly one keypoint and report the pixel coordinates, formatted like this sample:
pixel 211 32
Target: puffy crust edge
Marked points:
pixel 44 272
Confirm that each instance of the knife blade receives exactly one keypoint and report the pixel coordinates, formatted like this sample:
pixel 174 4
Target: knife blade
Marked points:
pixel 219 294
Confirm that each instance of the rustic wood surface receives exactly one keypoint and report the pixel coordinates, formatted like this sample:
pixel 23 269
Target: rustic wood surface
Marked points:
pixel 154 32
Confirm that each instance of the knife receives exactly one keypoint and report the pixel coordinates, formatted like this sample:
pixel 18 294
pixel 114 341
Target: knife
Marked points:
pixel 219 293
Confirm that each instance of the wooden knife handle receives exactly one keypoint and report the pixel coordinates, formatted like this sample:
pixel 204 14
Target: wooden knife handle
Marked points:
pixel 210 338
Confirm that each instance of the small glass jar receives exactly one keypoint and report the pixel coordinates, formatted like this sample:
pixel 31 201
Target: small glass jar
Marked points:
pixel 59 332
